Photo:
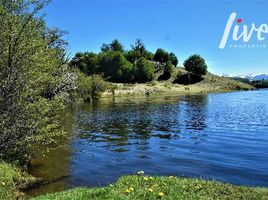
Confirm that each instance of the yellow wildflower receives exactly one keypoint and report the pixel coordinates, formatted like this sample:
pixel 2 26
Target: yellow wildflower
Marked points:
pixel 131 189
pixel 3 183
pixel 145 178
pixel 150 190
pixel 127 191
pixel 161 194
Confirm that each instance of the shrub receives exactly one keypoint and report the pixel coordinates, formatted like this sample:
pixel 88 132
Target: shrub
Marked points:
pixel 7 184
pixel 144 71
pixel 188 78
pixel 196 64
pixel 179 74
pixel 90 88
pixel 168 70
pixel 161 56
pixel 84 85
pixel 86 62
pixel 115 67
pixel 173 58
pixel 98 85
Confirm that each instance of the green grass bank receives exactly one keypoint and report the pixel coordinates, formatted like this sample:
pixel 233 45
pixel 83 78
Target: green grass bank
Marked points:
pixel 147 188
pixel 133 188
pixel 210 83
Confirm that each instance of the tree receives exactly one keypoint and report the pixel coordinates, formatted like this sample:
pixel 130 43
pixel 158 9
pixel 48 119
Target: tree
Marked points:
pixel 173 58
pixel 196 64
pixel 161 56
pixel 144 71
pixel 115 45
pixel 86 62
pixel 139 48
pixel 115 67
pixel 34 81
pixel 137 51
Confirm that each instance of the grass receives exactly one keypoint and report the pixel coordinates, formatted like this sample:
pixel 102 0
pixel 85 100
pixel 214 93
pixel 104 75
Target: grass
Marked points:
pixel 147 188
pixel 12 180
pixel 211 83
pixel 8 177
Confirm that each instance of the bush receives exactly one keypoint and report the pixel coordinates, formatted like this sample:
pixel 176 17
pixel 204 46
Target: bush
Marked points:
pixel 86 62
pixel 90 88
pixel 188 78
pixel 196 64
pixel 144 71
pixel 161 56
pixel 98 86
pixel 84 85
pixel 115 67
pixel 179 74
pixel 168 70
pixel 173 58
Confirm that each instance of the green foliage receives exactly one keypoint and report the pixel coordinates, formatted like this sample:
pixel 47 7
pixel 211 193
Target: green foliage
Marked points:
pixel 260 84
pixel 34 81
pixel 196 64
pixel 188 78
pixel 90 88
pixel 138 51
pixel 144 71
pixel 114 46
pixel 173 58
pixel 83 87
pixel 98 86
pixel 115 67
pixel 145 187
pixel 132 56
pixel 8 175
pixel 161 56
pixel 86 62
pixel 179 74
pixel 168 70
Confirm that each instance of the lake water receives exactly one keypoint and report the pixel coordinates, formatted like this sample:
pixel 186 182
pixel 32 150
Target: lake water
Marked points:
pixel 215 136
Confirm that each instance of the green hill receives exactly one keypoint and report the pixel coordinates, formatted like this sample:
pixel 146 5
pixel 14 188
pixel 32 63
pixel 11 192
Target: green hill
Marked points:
pixel 210 83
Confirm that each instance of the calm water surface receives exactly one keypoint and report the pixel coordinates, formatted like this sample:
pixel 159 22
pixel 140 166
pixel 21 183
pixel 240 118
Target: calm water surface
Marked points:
pixel 215 136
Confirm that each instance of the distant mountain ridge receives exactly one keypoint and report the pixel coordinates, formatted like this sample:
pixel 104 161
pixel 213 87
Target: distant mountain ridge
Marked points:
pixel 251 77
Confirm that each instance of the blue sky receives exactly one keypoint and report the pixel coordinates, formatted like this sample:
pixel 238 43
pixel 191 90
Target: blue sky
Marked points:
pixel 183 27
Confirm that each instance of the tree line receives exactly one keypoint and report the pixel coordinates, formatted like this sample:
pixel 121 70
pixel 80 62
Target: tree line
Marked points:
pixel 138 64
pixel 119 65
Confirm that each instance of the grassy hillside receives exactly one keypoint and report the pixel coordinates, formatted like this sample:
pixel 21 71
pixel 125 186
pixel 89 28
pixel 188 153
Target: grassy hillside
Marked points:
pixel 211 83
pixel 143 187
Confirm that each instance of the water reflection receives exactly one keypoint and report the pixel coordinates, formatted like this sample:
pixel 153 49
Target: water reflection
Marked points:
pixel 216 136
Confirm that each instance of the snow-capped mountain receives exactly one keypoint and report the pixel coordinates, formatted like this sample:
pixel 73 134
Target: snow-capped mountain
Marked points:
pixel 251 77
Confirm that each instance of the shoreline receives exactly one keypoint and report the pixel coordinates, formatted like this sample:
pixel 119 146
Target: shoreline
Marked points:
pixel 161 187
pixel 143 90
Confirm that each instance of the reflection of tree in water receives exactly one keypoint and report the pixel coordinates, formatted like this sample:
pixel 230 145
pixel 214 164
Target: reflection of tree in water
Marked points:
pixel 114 126
pixel 195 112
pixel 124 125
